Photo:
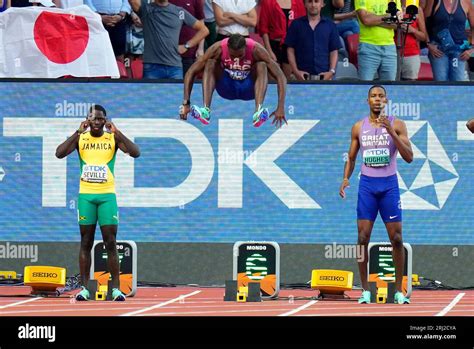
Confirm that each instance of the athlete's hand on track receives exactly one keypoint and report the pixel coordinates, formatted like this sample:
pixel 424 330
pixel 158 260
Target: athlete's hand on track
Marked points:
pixel 279 115
pixel 184 111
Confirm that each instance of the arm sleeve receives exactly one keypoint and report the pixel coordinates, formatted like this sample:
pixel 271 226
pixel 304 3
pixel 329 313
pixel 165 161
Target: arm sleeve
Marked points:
pixel 91 5
pixel 291 35
pixel 189 19
pixel 334 41
pixel 126 7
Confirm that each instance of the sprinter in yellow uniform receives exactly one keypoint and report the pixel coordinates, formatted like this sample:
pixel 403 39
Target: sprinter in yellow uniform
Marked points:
pixel 97 201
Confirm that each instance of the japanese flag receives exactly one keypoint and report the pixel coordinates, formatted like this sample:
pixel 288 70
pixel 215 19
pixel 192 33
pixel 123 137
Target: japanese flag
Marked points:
pixel 37 42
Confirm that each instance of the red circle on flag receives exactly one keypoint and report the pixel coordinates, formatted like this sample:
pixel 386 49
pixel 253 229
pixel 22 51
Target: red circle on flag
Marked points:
pixel 62 38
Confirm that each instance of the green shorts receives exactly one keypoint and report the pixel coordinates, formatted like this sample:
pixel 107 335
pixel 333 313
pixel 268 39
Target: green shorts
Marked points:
pixel 97 207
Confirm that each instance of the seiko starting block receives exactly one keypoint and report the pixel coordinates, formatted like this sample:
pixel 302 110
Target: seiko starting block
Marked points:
pixel 44 280
pixel 331 283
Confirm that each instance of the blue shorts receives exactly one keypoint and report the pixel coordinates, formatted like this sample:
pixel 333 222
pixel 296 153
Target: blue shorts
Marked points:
pixel 379 194
pixel 229 88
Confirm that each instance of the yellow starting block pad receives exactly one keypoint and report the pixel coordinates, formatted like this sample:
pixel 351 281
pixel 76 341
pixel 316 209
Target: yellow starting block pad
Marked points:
pixel 332 281
pixel 101 295
pixel 7 275
pixel 44 278
pixel 382 293
pixel 242 294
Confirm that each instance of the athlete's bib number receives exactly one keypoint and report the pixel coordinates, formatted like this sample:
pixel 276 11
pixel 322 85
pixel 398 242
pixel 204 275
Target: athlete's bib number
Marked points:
pixel 376 157
pixel 94 173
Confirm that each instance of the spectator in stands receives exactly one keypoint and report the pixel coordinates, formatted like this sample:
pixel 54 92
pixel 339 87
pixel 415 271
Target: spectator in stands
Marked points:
pixel 234 17
pixel 377 52
pixel 346 20
pixel 330 7
pixel 196 9
pixel 447 26
pixel 470 61
pixel 411 54
pixel 313 44
pixel 136 21
pixel 135 40
pixel 113 13
pixel 274 20
pixel 210 22
pixel 162 23
pixel 4 4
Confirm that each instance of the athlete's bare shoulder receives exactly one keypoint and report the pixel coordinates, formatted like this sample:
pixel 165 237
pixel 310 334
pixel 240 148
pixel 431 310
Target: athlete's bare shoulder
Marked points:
pixel 399 126
pixel 260 53
pixel 356 128
pixel 214 51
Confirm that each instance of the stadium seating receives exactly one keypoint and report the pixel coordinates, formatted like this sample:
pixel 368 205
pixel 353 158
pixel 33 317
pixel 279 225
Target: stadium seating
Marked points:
pixel 425 73
pixel 136 65
pixel 122 70
pixel 352 47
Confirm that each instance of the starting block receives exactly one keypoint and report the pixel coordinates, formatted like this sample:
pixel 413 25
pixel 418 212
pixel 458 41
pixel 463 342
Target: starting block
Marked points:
pixel 242 294
pixel 255 294
pixel 44 280
pixel 101 295
pixel 101 292
pixel 230 290
pixel 331 283
pixel 382 295
pixel 249 293
pixel 8 275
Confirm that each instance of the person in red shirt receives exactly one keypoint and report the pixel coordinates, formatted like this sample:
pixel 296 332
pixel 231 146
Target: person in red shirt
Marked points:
pixel 411 55
pixel 275 18
pixel 196 8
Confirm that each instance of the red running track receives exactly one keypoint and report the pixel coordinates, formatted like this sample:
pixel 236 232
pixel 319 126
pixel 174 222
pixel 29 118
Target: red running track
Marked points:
pixel 191 301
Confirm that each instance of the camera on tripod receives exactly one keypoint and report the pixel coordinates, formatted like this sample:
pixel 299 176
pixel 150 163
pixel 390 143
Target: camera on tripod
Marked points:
pixel 410 14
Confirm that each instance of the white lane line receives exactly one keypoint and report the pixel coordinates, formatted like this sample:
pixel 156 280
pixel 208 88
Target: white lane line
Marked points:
pixel 18 303
pixel 241 312
pixel 294 311
pixel 159 305
pixel 451 305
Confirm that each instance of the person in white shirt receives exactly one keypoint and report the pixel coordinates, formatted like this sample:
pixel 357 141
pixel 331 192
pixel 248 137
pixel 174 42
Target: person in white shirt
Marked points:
pixel 234 17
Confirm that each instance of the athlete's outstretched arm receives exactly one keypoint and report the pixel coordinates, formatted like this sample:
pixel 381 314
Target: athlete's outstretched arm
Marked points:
pixel 400 137
pixel 68 146
pixel 262 55
pixel 351 158
pixel 124 144
pixel 212 52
